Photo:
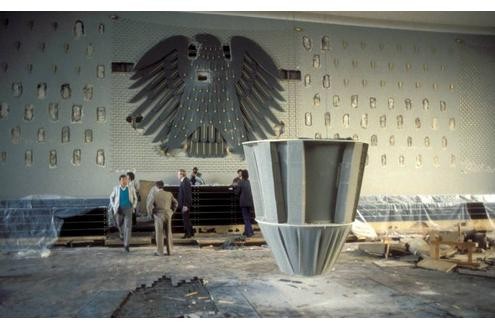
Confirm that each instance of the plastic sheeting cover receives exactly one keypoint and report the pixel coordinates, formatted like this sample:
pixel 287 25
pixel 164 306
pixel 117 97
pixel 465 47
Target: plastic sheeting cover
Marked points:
pixel 28 232
pixel 427 208
pixel 30 226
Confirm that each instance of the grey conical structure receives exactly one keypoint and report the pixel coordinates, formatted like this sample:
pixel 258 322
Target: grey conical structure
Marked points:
pixel 305 195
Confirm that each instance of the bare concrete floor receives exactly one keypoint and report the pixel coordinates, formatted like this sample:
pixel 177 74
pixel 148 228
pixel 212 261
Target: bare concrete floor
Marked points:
pixel 243 282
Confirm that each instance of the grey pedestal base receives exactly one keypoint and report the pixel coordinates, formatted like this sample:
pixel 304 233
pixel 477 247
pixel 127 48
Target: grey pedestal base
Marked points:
pixel 305 249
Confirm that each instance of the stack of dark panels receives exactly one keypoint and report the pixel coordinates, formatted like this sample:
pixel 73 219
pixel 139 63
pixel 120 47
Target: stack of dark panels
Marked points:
pixel 211 206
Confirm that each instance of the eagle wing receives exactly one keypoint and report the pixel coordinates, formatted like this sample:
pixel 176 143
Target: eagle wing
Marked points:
pixel 257 85
pixel 161 73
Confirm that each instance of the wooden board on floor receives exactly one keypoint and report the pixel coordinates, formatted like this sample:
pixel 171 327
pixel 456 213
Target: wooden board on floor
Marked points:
pixel 61 241
pixel 79 240
pixel 474 265
pixel 114 240
pixel 382 227
pixel 219 229
pixel 465 258
pixel 438 265
pixel 392 264
pixel 253 241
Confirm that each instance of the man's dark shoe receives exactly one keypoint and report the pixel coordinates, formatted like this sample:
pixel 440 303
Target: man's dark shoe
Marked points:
pixel 127 249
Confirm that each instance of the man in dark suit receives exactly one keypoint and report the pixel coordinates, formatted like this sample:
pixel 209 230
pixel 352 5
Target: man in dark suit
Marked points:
pixel 243 189
pixel 185 202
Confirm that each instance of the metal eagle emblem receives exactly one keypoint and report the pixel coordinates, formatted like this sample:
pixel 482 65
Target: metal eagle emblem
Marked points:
pixel 206 97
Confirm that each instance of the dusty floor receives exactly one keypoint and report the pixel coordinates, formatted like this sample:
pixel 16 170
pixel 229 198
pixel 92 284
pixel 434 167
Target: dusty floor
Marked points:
pixel 242 282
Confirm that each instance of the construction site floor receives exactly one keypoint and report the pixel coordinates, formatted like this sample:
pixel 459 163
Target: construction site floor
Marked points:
pixel 228 281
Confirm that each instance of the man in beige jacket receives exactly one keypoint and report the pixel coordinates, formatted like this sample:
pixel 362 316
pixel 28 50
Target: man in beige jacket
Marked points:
pixel 162 206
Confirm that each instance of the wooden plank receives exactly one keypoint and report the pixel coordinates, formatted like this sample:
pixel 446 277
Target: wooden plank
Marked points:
pixel 233 228
pixel 81 238
pixel 438 265
pixel 382 227
pixel 86 242
pixel 20 241
pixel 392 264
pixel 253 241
pixel 462 260
pixel 75 240
pixel 62 242
pixel 460 244
pixel 463 264
pixel 140 240
pixel 209 242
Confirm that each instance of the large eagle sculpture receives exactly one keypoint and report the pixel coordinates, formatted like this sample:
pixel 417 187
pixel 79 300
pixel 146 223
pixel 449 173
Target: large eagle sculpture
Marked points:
pixel 188 85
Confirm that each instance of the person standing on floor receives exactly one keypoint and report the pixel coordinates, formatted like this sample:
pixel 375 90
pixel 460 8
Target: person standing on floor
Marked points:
pixel 163 206
pixel 196 177
pixel 238 178
pixel 243 189
pixel 135 184
pixel 150 199
pixel 123 200
pixel 185 202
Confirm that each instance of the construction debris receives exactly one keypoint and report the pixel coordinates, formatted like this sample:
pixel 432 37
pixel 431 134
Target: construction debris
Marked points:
pixel 490 236
pixel 441 250
pixel 230 242
pixel 478 237
pixel 361 229
pixel 188 298
pixel 417 246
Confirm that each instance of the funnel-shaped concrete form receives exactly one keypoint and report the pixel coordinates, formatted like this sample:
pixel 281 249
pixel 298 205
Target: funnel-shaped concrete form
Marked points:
pixel 305 195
